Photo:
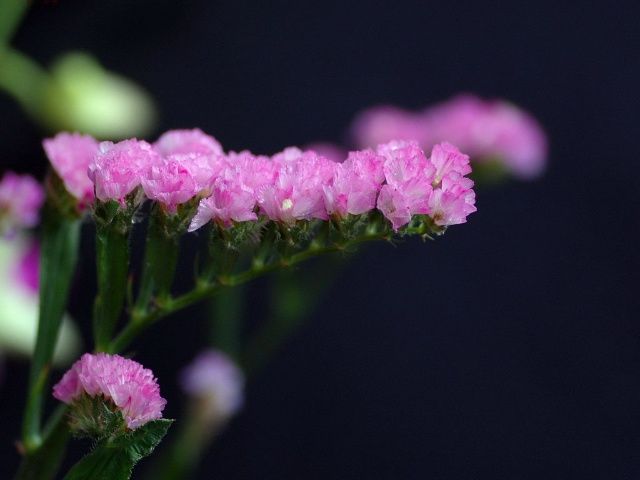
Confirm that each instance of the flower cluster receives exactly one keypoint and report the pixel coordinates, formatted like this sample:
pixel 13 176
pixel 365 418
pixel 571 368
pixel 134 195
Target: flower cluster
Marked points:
pixel 131 388
pixel 486 130
pixel 21 197
pixel 292 185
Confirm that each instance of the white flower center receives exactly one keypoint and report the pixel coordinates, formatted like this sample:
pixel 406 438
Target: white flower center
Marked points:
pixel 287 204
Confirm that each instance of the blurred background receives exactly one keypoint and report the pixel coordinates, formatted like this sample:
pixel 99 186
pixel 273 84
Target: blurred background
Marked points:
pixel 510 348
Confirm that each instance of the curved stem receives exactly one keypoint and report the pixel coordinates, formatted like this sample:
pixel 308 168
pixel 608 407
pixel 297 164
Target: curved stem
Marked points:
pixel 206 289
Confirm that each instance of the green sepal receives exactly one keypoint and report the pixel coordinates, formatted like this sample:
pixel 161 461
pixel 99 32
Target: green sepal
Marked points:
pixel 95 418
pixel 113 458
pixel 226 244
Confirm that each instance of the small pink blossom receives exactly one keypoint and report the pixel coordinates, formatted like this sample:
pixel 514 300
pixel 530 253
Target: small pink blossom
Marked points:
pixel 216 380
pixel 454 201
pixel 70 155
pixel 409 176
pixel 228 202
pixel 446 158
pixel 193 141
pixel 297 192
pixel 118 168
pixel 405 162
pixel 169 182
pixel 434 186
pixel 355 184
pixel 21 197
pixel 131 387
pixel 249 170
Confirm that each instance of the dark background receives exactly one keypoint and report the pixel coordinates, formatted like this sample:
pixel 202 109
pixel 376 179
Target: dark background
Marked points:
pixel 509 349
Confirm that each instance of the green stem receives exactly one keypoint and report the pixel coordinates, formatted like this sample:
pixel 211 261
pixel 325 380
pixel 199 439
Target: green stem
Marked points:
pixel 207 289
pixel 58 259
pixel 160 261
pixel 112 253
pixel 12 13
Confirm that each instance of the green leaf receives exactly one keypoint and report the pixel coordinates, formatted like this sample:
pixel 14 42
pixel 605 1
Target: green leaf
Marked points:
pixel 114 458
pixel 59 251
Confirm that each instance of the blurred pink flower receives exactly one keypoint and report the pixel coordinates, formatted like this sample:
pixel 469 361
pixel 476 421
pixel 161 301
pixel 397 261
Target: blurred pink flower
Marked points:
pixel 485 129
pixel 328 150
pixel 214 379
pixel 70 155
pixel 26 271
pixel 193 141
pixel 132 388
pixel 21 197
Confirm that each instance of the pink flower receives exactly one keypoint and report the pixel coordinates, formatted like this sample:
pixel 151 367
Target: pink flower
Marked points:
pixel 446 159
pixel 355 184
pixel 251 171
pixel 193 141
pixel 229 201
pixel 70 155
pixel 490 129
pixel 417 185
pixel 486 129
pixel 454 201
pixel 132 388
pixel 216 380
pixel 169 182
pixel 21 197
pixel 409 176
pixel 297 192
pixel 405 162
pixel 118 168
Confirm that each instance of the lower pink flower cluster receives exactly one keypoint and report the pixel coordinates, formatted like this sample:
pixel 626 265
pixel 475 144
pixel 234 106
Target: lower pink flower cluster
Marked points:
pixel 485 129
pixel 132 388
pixel 292 185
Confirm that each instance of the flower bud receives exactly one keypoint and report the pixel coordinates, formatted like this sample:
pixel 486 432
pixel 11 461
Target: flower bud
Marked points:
pixel 85 97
